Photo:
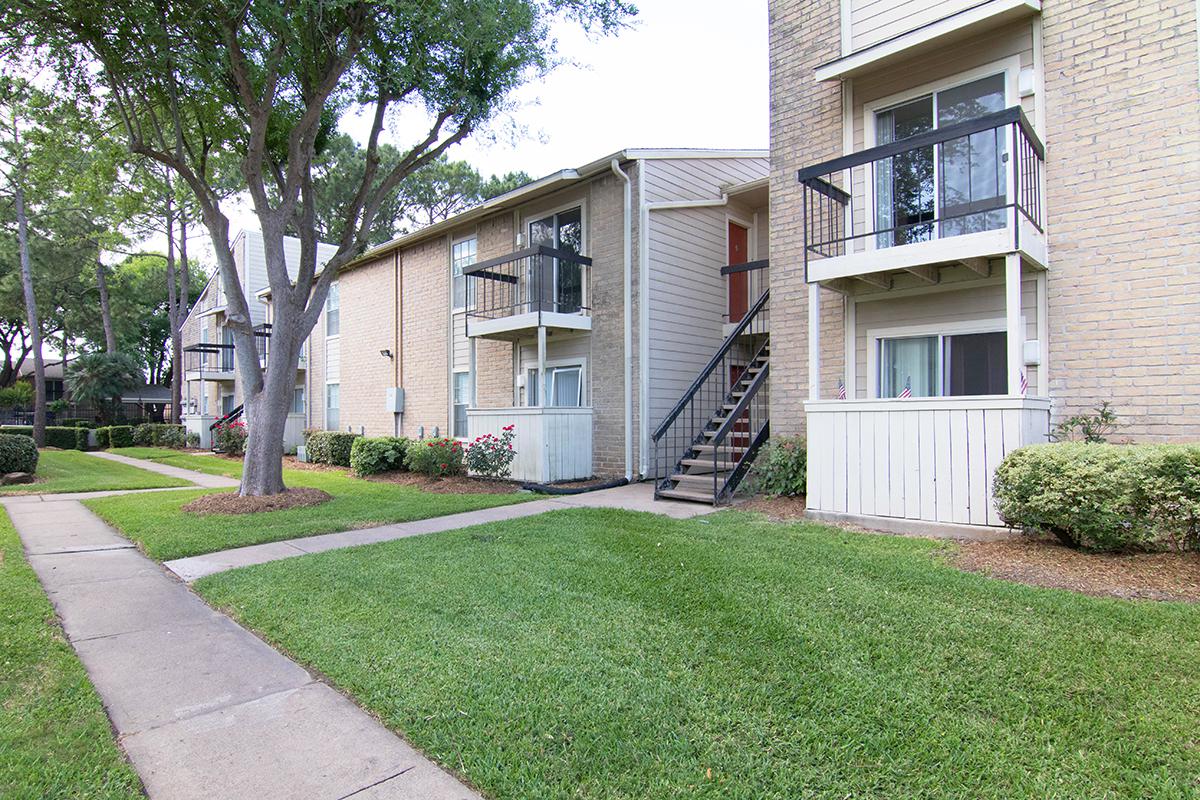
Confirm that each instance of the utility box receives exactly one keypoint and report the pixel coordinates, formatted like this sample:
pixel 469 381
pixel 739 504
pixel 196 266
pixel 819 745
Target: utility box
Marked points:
pixel 395 400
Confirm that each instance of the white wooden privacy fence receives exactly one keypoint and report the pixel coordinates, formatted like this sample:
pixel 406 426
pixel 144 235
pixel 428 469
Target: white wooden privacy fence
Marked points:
pixel 920 459
pixel 552 444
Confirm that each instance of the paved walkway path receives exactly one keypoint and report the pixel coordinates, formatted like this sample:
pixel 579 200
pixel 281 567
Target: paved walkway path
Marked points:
pixel 635 497
pixel 205 709
pixel 198 478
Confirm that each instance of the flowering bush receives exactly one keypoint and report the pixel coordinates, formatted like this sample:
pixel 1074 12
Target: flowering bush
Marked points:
pixel 230 438
pixel 436 458
pixel 492 456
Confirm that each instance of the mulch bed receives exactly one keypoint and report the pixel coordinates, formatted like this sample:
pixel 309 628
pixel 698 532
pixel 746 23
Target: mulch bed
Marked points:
pixel 1045 562
pixel 291 462
pixel 458 484
pixel 777 509
pixel 232 503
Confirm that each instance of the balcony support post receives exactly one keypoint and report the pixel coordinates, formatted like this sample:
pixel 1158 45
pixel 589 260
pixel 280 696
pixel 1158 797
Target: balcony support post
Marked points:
pixel 1012 309
pixel 541 388
pixel 814 341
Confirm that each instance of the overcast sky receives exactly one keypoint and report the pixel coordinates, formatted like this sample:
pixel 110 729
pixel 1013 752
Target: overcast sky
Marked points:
pixel 689 73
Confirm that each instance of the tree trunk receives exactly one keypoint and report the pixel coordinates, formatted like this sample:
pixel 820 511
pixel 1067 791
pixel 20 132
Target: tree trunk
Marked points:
pixel 110 338
pixel 31 315
pixel 266 413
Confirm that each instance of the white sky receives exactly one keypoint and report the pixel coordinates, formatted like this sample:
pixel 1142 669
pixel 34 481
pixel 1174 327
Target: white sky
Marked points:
pixel 689 73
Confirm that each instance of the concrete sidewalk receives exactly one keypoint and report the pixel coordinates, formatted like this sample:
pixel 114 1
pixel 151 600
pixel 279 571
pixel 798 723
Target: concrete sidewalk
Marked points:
pixel 199 478
pixel 203 708
pixel 634 497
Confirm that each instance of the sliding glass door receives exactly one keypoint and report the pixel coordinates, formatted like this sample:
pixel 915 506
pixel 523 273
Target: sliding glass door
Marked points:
pixel 561 281
pixel 955 188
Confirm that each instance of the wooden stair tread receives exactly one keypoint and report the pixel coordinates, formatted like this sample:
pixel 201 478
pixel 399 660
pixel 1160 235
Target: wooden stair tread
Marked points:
pixel 683 494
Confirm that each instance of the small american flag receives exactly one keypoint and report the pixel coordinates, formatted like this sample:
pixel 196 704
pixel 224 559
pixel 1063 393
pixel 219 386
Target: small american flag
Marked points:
pixel 907 391
pixel 1024 383
pixel 841 390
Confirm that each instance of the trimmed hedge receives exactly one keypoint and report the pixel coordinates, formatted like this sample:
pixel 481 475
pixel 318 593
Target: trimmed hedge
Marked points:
pixel 781 470
pixel 18 453
pixel 114 436
pixel 330 447
pixel 371 456
pixel 56 436
pixel 75 422
pixel 156 434
pixel 1104 496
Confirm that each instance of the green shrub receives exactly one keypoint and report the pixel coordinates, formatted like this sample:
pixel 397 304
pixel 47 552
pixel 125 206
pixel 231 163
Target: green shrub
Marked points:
pixel 17 453
pixel 157 434
pixel 1102 496
pixel 114 436
pixel 75 422
pixel 371 456
pixel 56 436
pixel 81 438
pixel 330 447
pixel 781 470
pixel 436 458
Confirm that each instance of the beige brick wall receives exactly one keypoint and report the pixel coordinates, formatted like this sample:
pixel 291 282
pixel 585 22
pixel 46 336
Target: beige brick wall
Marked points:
pixel 1123 203
pixel 1122 133
pixel 806 127
pixel 367 320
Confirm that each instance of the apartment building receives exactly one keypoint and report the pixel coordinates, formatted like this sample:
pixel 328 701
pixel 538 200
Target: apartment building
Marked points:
pixel 212 389
pixel 985 218
pixel 578 308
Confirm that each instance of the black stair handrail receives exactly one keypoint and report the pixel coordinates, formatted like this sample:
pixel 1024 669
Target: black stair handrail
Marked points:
pixel 713 363
pixel 731 420
pixel 230 417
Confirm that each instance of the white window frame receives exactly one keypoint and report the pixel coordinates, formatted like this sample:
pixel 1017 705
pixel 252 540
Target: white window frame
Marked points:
pixel 467 298
pixel 529 367
pixel 303 399
pixel 334 294
pixel 875 337
pixel 554 377
pixel 328 406
pixel 1009 66
pixel 457 434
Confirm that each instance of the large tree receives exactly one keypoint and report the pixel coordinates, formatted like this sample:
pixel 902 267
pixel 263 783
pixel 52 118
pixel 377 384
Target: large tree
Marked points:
pixel 269 80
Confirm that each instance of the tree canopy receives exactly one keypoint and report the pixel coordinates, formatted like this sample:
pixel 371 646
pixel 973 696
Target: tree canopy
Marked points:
pixel 193 80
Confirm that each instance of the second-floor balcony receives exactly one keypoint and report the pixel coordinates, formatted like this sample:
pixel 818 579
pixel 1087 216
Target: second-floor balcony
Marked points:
pixel 959 194
pixel 262 340
pixel 539 287
pixel 209 361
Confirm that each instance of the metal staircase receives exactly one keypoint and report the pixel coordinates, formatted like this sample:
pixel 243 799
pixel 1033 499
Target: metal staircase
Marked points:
pixel 704 447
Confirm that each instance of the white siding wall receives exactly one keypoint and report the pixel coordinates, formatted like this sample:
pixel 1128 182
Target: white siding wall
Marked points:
pixel 872 21
pixel 686 250
pixel 551 444
pixel 978 300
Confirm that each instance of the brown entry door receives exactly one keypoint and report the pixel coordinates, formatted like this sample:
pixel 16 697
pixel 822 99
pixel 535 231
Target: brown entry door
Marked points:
pixel 739 238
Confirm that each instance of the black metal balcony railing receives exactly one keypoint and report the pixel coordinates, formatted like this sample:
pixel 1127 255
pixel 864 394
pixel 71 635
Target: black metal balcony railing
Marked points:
pixel 537 280
pixel 949 181
pixel 208 357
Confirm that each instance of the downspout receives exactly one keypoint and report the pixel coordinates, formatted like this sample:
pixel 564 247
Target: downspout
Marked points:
pixel 397 339
pixel 644 282
pixel 628 345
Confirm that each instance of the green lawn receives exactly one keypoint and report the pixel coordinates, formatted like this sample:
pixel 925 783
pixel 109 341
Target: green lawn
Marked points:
pixel 211 464
pixel 607 654
pixel 73 471
pixel 157 523
pixel 55 740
